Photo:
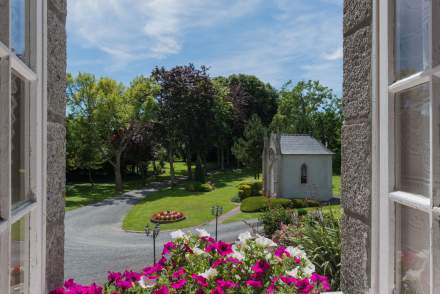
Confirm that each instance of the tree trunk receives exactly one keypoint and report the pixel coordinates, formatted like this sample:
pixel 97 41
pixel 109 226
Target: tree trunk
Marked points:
pixel 228 158
pixel 189 165
pixel 171 159
pixel 218 158
pixel 91 178
pixel 118 175
pixel 222 158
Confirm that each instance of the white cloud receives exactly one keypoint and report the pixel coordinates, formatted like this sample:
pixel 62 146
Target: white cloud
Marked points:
pixel 335 55
pixel 133 30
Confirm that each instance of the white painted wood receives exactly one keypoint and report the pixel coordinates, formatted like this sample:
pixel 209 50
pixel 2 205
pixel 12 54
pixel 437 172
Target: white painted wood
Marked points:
pixel 23 210
pixel 22 69
pixel 375 223
pixel 385 277
pixel 412 200
pixel 409 82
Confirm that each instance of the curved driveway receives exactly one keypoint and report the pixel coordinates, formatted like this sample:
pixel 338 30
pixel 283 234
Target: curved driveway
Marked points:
pixel 95 242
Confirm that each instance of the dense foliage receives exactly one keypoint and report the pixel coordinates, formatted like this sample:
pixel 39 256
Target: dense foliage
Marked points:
pixel 250 189
pixel 182 113
pixel 199 264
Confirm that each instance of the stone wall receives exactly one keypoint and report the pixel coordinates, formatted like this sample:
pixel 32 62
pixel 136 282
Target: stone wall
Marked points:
pixel 356 146
pixel 56 84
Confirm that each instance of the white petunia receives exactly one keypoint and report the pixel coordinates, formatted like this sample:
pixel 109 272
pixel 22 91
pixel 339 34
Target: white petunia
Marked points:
pixel 210 273
pixel 264 242
pixel 309 270
pixel 295 252
pixel 146 282
pixel 198 251
pixel 237 255
pixel 293 273
pixel 202 233
pixel 243 237
pixel 177 234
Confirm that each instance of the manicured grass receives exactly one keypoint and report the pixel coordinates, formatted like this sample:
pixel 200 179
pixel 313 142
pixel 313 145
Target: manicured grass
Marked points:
pixel 336 209
pixel 80 194
pixel 195 206
pixel 336 185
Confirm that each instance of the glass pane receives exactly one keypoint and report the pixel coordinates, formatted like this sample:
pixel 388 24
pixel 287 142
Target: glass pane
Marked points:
pixel 413 140
pixel 411 36
pixel 412 251
pixel 19 140
pixel 19 30
pixel 20 256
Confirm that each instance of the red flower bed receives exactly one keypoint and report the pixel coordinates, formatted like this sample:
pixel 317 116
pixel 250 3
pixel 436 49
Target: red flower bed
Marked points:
pixel 165 217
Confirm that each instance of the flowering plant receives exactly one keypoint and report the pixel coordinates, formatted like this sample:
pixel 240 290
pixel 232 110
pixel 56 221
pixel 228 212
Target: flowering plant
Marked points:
pixel 199 264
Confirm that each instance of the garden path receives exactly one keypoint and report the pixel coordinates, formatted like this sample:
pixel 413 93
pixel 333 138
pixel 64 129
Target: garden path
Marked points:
pixel 95 242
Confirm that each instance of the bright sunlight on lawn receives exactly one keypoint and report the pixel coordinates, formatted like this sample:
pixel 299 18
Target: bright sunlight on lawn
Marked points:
pixel 195 206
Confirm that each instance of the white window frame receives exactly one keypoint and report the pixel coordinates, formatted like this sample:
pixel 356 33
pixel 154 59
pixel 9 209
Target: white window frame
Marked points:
pixel 35 76
pixel 383 196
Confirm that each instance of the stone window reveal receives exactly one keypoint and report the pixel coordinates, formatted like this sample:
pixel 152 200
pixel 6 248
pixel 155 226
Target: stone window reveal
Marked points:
pixel 304 174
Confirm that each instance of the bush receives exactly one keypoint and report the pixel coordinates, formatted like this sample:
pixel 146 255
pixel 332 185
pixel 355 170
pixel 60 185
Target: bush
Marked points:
pixel 302 212
pixel 274 218
pixel 199 187
pixel 250 189
pixel 319 234
pixel 235 199
pixel 261 203
pixel 312 203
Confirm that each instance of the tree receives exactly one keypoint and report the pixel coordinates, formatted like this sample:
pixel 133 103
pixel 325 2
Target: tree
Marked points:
pixel 121 116
pixel 82 152
pixel 311 108
pixel 248 150
pixel 186 103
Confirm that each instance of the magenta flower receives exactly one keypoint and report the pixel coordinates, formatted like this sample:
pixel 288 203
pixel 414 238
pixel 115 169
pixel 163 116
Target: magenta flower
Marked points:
pixel 211 247
pixel 224 248
pixel 321 281
pixel 179 284
pixel 233 260
pixel 254 283
pixel 70 283
pixel 303 286
pixel 200 280
pixel 153 269
pixel 260 266
pixel 168 247
pixel 297 260
pixel 114 276
pixel 57 291
pixel 281 250
pixel 178 273
pixel 132 276
pixel 272 287
pixel 217 290
pixel 227 284
pixel 162 290
pixel 123 284
pixel 218 262
pixel 288 280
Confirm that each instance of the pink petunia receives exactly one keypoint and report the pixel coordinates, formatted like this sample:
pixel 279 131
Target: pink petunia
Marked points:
pixel 114 276
pixel 224 248
pixel 227 284
pixel 321 281
pixel 217 290
pixel 297 260
pixel 261 266
pixel 288 280
pixel 200 280
pixel 179 284
pixel 168 247
pixel 178 273
pixel 123 284
pixel 281 250
pixel 132 276
pixel 162 290
pixel 254 283
pixel 218 262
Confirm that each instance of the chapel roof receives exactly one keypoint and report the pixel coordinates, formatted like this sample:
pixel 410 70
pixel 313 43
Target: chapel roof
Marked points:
pixel 302 145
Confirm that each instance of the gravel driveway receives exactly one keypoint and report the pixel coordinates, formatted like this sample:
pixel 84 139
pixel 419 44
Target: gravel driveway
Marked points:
pixel 95 242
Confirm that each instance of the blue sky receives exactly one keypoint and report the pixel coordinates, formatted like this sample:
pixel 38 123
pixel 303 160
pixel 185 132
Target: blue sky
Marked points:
pixel 276 40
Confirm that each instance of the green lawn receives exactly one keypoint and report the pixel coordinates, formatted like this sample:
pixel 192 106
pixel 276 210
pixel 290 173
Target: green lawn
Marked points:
pixel 80 194
pixel 195 206
pixel 336 181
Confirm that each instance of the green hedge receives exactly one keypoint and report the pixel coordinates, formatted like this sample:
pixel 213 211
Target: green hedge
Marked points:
pixel 261 203
pixel 250 189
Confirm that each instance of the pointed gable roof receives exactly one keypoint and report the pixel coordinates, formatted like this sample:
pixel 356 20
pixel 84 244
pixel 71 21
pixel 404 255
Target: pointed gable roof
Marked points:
pixel 302 145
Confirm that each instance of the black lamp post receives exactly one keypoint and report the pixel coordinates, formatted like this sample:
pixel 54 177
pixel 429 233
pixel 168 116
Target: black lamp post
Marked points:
pixel 216 211
pixel 154 233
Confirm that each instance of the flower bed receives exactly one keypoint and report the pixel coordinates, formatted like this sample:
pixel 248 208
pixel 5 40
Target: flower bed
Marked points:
pixel 165 217
pixel 199 264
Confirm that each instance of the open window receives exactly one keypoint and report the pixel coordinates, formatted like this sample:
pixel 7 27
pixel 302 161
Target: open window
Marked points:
pixel 408 236
pixel 303 173
pixel 22 141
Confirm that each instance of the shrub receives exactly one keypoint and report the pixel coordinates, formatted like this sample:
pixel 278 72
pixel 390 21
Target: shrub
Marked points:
pixel 298 203
pixel 312 203
pixel 272 219
pixel 199 187
pixel 235 199
pixel 200 264
pixel 302 212
pixel 250 189
pixel 319 234
pixel 261 203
